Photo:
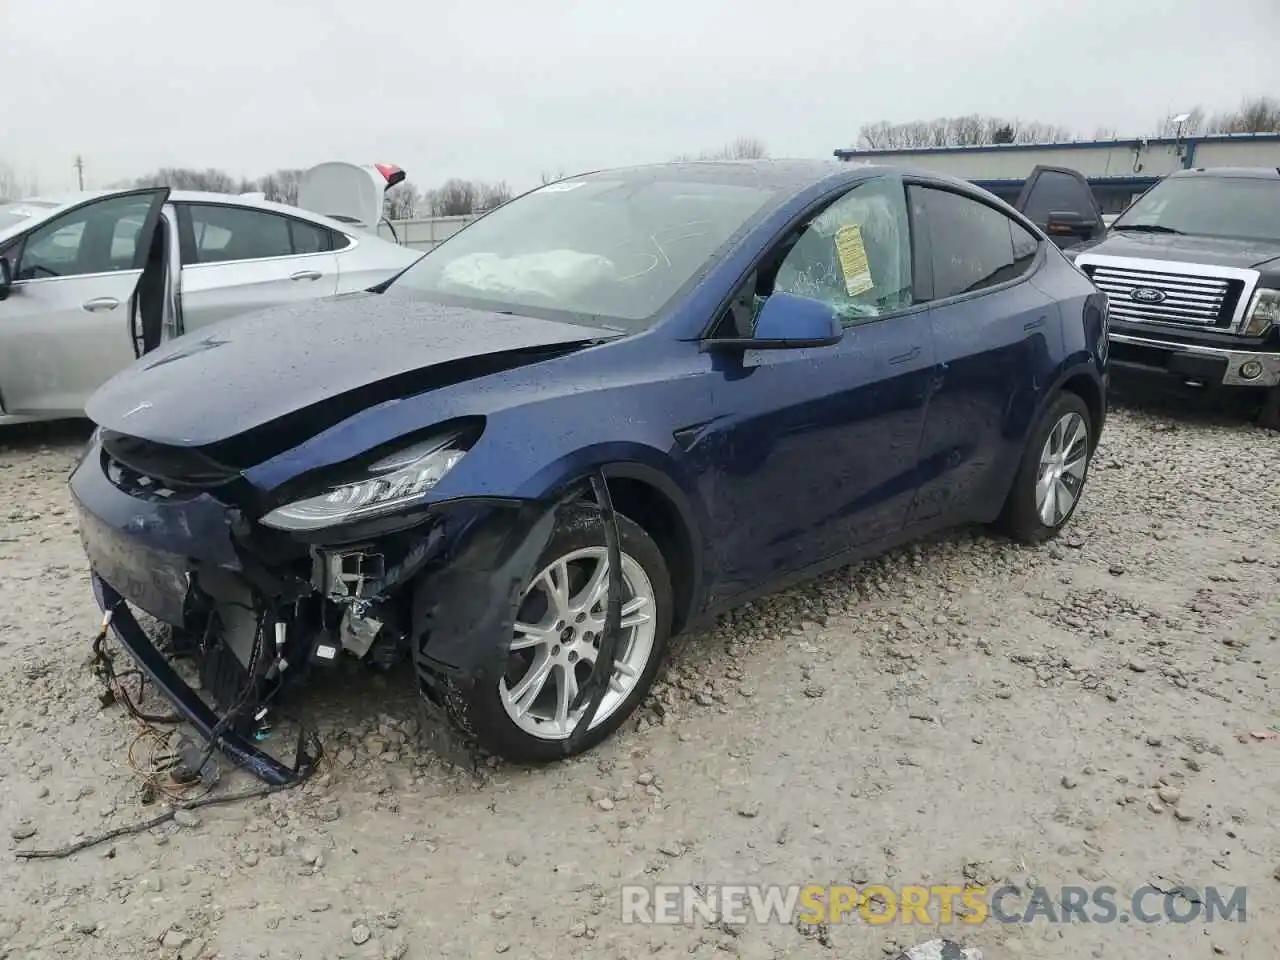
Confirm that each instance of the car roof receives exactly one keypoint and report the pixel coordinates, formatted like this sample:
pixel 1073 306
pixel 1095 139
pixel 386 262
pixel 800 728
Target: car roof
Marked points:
pixel 56 202
pixel 1239 173
pixel 780 176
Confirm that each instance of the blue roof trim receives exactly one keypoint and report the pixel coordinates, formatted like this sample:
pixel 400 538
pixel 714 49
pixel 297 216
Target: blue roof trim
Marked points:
pixel 849 153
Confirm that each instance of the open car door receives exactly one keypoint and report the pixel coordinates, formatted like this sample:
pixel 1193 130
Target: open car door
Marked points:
pixel 1060 202
pixel 67 314
pixel 348 192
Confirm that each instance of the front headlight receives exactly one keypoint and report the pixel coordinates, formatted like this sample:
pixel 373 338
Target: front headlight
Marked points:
pixel 393 483
pixel 1263 314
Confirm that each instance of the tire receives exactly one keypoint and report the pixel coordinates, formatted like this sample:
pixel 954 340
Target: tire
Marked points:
pixel 1021 518
pixel 484 713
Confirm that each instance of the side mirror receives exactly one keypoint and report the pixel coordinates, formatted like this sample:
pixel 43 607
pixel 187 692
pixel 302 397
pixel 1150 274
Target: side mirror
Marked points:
pixel 788 322
pixel 6 278
pixel 1070 223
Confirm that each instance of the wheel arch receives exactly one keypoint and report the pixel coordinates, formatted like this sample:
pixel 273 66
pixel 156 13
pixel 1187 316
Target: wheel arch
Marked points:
pixel 656 502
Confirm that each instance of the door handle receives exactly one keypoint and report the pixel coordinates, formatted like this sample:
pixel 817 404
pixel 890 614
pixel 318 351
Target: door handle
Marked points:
pixel 100 303
pixel 1032 324
pixel 306 275
pixel 905 357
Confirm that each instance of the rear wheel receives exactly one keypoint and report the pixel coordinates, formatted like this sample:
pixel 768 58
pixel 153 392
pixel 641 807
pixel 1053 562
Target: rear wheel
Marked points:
pixel 1051 477
pixel 525 716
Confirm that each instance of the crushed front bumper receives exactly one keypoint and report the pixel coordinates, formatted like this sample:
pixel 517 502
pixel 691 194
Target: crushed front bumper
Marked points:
pixel 186 701
pixel 1194 361
pixel 451 595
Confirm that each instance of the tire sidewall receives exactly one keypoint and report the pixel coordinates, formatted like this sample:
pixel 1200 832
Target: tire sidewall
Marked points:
pixel 1023 518
pixel 487 717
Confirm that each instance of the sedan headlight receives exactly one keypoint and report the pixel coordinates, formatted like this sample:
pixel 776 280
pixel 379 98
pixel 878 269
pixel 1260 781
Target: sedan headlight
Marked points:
pixel 1263 314
pixel 391 484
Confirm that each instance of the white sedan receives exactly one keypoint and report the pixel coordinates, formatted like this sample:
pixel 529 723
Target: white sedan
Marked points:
pixel 91 281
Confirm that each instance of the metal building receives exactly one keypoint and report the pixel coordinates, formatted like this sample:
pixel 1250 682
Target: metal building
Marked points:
pixel 1118 170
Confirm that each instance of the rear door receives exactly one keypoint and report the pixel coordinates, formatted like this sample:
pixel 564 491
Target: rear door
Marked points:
pixel 1060 202
pixel 996 335
pixel 238 259
pixel 65 327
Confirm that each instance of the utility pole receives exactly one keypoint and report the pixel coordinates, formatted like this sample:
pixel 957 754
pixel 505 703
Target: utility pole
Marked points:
pixel 79 165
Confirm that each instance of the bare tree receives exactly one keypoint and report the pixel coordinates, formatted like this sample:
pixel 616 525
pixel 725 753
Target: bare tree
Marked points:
pixel 492 195
pixel 401 201
pixel 179 178
pixel 743 148
pixel 549 177
pixel 968 130
pixel 15 187
pixel 1195 123
pixel 1255 115
pixel 280 186
pixel 453 198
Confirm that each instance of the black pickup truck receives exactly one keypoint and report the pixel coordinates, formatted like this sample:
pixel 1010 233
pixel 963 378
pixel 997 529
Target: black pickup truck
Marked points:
pixel 1191 271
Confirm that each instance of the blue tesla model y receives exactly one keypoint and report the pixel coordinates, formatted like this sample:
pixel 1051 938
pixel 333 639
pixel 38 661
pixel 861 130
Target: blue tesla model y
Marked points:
pixel 609 409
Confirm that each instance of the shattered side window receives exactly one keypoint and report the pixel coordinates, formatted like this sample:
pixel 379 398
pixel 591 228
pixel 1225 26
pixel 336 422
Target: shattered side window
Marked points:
pixel 855 255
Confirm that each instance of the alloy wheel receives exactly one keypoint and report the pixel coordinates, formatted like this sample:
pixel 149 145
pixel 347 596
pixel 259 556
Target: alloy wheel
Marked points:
pixel 1064 460
pixel 557 639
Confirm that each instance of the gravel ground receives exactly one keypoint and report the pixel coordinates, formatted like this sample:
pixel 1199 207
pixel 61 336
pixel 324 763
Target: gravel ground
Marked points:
pixel 964 711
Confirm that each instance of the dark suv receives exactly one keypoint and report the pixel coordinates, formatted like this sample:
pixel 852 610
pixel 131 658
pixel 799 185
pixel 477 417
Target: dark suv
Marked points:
pixel 1192 273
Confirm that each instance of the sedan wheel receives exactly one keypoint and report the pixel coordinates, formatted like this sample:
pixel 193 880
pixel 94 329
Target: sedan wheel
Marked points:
pixel 557 640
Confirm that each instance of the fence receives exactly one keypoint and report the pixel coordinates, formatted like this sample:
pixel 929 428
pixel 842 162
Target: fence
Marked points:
pixel 423 233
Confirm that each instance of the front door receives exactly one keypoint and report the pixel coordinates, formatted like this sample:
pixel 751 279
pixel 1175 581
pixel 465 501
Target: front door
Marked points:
pixel 237 259
pixel 995 332
pixel 67 322
pixel 813 451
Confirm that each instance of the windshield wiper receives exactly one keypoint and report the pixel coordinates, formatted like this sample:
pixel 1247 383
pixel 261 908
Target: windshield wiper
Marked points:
pixel 1145 228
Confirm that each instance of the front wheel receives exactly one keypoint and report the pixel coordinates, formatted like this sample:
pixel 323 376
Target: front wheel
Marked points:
pixel 1052 474
pixel 526 715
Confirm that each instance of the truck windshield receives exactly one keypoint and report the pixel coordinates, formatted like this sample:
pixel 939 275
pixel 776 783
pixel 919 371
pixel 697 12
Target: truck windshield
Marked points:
pixel 605 249
pixel 1242 208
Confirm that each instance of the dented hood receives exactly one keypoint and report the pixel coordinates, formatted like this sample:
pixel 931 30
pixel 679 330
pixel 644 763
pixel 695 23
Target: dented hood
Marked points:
pixel 334 356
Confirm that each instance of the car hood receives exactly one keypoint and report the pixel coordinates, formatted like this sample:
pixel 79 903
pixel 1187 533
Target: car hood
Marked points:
pixel 1164 246
pixel 329 359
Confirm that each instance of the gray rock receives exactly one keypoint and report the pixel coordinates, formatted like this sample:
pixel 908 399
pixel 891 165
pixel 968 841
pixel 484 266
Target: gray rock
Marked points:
pixel 749 809
pixel 186 818
pixel 23 830
pixel 1169 795
pixel 174 940
pixel 360 933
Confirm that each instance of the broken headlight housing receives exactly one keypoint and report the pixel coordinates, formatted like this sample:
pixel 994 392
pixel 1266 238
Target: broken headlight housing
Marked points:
pixel 390 484
pixel 1263 312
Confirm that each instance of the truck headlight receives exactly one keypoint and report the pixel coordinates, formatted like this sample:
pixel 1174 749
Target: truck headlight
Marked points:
pixel 392 483
pixel 1263 312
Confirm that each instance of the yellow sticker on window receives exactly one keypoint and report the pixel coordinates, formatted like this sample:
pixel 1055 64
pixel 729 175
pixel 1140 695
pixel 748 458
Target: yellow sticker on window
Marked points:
pixel 853 259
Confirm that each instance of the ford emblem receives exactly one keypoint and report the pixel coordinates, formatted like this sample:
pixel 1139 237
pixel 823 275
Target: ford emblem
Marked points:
pixel 1147 295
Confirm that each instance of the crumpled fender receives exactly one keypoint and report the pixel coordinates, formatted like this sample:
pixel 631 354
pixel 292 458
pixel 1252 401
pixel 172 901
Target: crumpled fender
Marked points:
pixel 464 611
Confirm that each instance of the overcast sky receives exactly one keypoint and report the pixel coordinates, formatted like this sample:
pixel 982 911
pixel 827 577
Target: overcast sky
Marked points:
pixel 504 89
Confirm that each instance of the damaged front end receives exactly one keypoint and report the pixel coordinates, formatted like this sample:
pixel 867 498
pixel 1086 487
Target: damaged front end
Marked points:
pixel 255 595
